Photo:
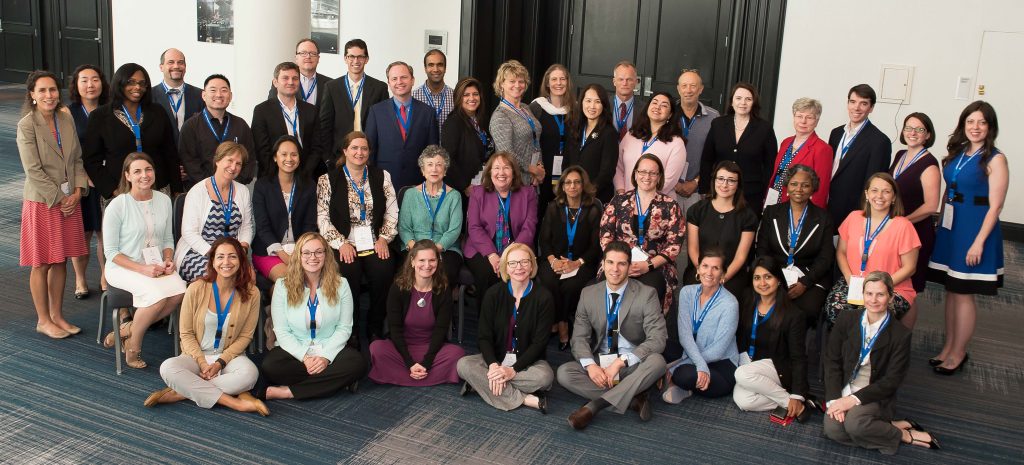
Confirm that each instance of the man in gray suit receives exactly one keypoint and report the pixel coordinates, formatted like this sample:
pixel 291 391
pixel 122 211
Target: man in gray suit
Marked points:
pixel 618 339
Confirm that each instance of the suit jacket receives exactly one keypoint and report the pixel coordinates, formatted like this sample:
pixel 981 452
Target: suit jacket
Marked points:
pixel 198 145
pixel 321 83
pixel 108 141
pixel 535 315
pixel 398 308
pixel 46 164
pixel 598 158
pixel 268 125
pixel 483 211
pixel 786 346
pixel 193 104
pixel 890 359
pixel 467 151
pixel 336 114
pixel 389 151
pixel 270 213
pixel 640 320
pixel 869 153
pixel 639 106
pixel 815 254
pixel 754 152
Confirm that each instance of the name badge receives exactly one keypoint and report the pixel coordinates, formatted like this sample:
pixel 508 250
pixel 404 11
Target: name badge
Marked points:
pixel 535 158
pixel 772 198
pixel 792 275
pixel 855 296
pixel 65 187
pixel 363 238
pixel 947 216
pixel 288 248
pixel 510 359
pixel 638 255
pixel 606 361
pixel 315 350
pixel 569 274
pixel 556 166
pixel 152 256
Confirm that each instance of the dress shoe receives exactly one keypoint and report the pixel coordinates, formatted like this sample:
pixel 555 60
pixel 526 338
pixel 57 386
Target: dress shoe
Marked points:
pixel 261 408
pixel 542 402
pixel 934 362
pixel 155 397
pixel 72 330
pixel 931 444
pixel 641 403
pixel 581 418
pixel 951 371
pixel 51 333
pixel 466 389
pixel 81 294
pixel 913 424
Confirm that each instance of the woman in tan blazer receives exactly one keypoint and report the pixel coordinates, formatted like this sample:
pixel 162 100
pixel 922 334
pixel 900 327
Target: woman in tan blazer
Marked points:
pixel 51 216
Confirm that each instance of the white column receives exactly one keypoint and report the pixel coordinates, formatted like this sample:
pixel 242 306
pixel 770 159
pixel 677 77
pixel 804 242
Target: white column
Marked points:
pixel 265 34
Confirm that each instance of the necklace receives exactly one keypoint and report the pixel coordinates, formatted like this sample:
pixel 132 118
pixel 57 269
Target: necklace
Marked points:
pixel 422 302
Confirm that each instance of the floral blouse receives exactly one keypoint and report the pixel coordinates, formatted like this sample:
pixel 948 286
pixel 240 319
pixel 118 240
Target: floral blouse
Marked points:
pixel 388 229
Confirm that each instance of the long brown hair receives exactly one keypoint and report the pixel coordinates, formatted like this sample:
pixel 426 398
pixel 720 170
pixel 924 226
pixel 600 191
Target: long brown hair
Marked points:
pixel 896 209
pixel 295 276
pixel 570 102
pixel 244 275
pixel 406 276
pixel 958 140
pixel 481 110
pixel 517 176
pixel 124 186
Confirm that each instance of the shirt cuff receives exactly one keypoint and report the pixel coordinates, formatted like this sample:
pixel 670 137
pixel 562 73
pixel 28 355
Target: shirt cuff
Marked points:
pixel 586 362
pixel 797 397
pixel 632 359
pixel 855 398
pixel 273 248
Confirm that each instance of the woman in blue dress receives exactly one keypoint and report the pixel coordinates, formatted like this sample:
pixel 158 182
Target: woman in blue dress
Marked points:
pixel 968 256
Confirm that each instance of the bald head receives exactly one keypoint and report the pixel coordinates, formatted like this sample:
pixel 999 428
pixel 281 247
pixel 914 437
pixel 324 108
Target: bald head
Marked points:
pixel 172 65
pixel 689 86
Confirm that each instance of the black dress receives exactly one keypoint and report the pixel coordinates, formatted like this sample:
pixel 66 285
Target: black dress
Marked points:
pixel 554 129
pixel 912 195
pixel 722 230
pixel 597 157
pixel 92 216
pixel 754 152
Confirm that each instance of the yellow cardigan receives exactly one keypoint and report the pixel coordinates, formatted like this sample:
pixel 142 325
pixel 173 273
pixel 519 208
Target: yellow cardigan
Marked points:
pixel 192 322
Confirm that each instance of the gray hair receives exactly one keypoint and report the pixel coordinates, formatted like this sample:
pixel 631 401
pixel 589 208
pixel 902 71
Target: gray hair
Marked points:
pixel 805 104
pixel 793 170
pixel 432 151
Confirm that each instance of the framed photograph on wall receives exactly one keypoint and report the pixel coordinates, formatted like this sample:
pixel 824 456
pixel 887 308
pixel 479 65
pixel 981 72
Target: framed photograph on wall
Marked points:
pixel 215 21
pixel 323 21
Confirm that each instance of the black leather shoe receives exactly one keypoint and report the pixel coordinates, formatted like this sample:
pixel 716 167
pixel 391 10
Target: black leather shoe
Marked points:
pixel 580 418
pixel 934 362
pixel 542 402
pixel 354 387
pixel 951 371
pixel 643 406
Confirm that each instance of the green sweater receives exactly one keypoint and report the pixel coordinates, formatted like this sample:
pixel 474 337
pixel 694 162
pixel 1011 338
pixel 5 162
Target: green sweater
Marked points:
pixel 414 220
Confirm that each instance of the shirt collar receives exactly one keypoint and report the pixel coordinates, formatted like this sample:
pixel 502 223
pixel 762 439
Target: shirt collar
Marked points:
pixel 621 289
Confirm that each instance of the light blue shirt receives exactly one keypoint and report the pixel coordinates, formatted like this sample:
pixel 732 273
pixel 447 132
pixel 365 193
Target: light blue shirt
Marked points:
pixel 717 337
pixel 125 229
pixel 291 323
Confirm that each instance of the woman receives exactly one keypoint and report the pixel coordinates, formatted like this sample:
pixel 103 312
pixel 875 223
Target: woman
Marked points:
pixel 131 122
pixel 419 317
pixel 556 111
pixel 877 238
pixel 968 256
pixel 593 143
pixel 51 216
pixel 218 318
pixel 708 316
pixel 515 318
pixel 798 234
pixel 865 363
pixel 917 175
pixel 802 148
pixel 743 137
pixel 90 90
pixel 568 242
pixel 655 131
pixel 284 208
pixel 313 308
pixel 464 136
pixel 652 224
pixel 140 245
pixel 358 215
pixel 513 126
pixel 726 221
pixel 217 207
pixel 433 211
pixel 770 339
pixel 501 211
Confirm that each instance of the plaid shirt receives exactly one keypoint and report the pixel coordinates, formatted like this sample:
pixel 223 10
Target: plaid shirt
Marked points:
pixel 445 99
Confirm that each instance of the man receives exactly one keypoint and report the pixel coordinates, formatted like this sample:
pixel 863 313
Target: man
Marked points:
pixel 695 122
pixel 619 332
pixel 202 133
pixel 434 92
pixel 347 101
pixel 861 150
pixel 179 99
pixel 307 58
pixel 624 104
pixel 398 129
pixel 286 114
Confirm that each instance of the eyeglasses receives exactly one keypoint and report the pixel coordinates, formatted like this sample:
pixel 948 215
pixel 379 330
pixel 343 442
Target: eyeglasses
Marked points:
pixel 572 182
pixel 647 174
pixel 132 82
pixel 520 263
pixel 727 181
pixel 307 54
pixel 911 129
pixel 314 253
pixel 356 57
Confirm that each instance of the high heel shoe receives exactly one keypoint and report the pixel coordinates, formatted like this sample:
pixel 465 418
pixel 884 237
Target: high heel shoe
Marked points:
pixel 933 443
pixel 950 371
pixel 935 362
pixel 136 361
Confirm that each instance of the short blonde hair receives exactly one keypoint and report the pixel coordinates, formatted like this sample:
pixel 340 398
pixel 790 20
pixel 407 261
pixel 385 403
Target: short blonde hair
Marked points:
pixel 507 70
pixel 503 265
pixel 807 104
pixel 227 148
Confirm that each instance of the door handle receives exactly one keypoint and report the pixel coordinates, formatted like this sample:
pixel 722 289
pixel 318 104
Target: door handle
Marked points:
pixel 647 86
pixel 636 88
pixel 99 35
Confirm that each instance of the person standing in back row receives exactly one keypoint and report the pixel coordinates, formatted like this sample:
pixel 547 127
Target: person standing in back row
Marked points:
pixel 346 103
pixel 624 104
pixel 434 91
pixel 860 149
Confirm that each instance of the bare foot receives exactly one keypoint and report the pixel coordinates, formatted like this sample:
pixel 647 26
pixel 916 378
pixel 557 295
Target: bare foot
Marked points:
pixel 531 401
pixel 279 392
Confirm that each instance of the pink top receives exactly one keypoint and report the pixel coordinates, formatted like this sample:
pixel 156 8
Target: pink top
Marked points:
pixel 672 156
pixel 898 237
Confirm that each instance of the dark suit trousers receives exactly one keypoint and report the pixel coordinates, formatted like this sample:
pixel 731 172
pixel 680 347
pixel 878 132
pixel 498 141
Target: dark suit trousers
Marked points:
pixel 281 368
pixel 378 275
pixel 566 292
pixel 866 426
pixel 723 378
pixel 634 380
pixel 483 274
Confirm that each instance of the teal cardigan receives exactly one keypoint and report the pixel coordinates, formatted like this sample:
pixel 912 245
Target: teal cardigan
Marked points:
pixel 414 221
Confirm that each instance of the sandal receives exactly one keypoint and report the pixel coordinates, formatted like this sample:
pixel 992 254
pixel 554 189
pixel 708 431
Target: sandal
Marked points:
pixel 135 362
pixel 126 332
pixel 932 443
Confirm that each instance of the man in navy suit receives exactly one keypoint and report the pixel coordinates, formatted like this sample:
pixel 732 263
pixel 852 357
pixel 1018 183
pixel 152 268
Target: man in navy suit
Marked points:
pixel 286 114
pixel 179 100
pixel 399 128
pixel 860 149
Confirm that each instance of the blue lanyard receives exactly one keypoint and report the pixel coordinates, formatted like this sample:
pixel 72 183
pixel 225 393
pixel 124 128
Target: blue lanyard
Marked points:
pixel 846 146
pixel 312 304
pixel 648 144
pixel 901 168
pixel 225 206
pixel 479 132
pixel 961 162
pixel 612 313
pixel 522 114
pixel 135 126
pixel 430 100
pixel 560 121
pixel 583 137
pixel 794 232
pixel 85 112
pixel 222 314
pixel 361 191
pixel 291 200
pixel 407 122
pixel 703 312
pixel 621 122
pixel 515 312
pixel 641 218
pixel 307 94
pixel 869 239
pixel 433 211
pixel 293 122
pixel 359 92
pixel 181 98
pixel 56 133
pixel 686 126
pixel 570 227
pixel 503 207
pixel 786 160
pixel 866 344
pixel 209 124
pixel 753 328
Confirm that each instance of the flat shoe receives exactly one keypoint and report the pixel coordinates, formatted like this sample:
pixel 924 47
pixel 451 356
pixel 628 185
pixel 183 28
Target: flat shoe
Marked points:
pixel 155 397
pixel 82 294
pixel 58 334
pixel 73 329
pixel 261 408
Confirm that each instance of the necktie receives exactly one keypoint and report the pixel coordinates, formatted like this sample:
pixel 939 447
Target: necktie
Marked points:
pixel 405 117
pixel 173 92
pixel 612 325
pixel 622 117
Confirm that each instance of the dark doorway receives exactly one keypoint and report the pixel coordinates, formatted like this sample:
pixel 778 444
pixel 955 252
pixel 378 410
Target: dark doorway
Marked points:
pixel 55 35
pixel 21 50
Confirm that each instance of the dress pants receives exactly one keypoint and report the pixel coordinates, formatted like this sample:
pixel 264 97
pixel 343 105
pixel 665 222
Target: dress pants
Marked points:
pixel 632 381
pixel 281 368
pixel 538 377
pixel 810 304
pixel 722 378
pixel 866 426
pixel 566 292
pixel 483 274
pixel 181 373
pixel 758 387
pixel 378 274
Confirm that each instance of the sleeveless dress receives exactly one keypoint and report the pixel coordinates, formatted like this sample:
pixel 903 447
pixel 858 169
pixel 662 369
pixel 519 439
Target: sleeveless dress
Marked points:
pixel 193 266
pixel 912 195
pixel 948 263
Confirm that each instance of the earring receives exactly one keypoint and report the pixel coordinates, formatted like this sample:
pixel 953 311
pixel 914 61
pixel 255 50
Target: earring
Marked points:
pixel 33 101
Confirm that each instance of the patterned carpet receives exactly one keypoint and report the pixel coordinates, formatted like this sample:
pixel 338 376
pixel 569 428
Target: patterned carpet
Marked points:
pixel 63 403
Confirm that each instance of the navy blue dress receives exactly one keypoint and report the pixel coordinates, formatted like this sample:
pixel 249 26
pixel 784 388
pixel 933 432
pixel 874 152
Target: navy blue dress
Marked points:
pixel 92 216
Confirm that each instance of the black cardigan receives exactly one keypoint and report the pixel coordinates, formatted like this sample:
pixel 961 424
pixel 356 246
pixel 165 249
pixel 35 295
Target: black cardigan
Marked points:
pixel 468 153
pixel 552 238
pixel 815 254
pixel 398 308
pixel 270 212
pixel 549 138
pixel 339 210
pixel 755 153
pixel 890 359
pixel 108 142
pixel 598 158
pixel 536 314
pixel 785 343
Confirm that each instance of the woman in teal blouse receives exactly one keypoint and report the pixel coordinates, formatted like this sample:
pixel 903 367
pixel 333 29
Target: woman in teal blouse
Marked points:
pixel 433 210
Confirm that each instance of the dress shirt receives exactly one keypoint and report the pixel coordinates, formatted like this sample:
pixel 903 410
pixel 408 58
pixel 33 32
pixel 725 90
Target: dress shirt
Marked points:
pixel 625 347
pixel 445 98
pixel 306 82
pixel 848 131
pixel 180 97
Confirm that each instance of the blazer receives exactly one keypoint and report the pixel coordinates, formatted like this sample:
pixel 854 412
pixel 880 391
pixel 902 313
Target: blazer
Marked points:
pixel 45 164
pixel 815 254
pixel 785 343
pixel 597 157
pixel 337 116
pixel 639 106
pixel 197 146
pixel 270 212
pixel 815 154
pixel 398 308
pixel 553 239
pixel 466 149
pixel 108 141
pixel 268 125
pixel 640 321
pixel 754 152
pixel 890 359
pixel 321 83
pixel 193 104
pixel 391 153
pixel 533 325
pixel 869 153
pixel 291 322
pixel 240 327
pixel 483 211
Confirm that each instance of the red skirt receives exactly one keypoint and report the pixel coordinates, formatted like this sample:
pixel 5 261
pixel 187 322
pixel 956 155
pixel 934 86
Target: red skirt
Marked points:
pixel 48 237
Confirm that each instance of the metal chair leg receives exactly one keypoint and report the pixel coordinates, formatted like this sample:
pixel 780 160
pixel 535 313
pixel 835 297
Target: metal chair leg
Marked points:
pixel 176 331
pixel 103 315
pixel 462 310
pixel 114 314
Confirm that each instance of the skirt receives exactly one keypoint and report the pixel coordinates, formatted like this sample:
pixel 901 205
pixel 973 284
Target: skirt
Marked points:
pixel 145 290
pixel 48 237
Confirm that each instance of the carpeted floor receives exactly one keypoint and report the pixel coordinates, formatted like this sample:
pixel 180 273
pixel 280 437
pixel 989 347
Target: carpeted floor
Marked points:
pixel 63 403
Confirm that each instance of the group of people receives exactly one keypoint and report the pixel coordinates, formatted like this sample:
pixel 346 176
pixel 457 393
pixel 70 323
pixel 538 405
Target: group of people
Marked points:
pixel 653 238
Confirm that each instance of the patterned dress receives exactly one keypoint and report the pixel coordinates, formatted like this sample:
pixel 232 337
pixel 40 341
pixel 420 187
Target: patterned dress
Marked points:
pixel 194 265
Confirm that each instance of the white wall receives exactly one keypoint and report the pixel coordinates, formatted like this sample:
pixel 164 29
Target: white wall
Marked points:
pixel 829 46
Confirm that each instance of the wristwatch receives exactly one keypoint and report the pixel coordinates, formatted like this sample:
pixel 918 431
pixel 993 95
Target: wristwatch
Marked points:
pixel 624 358
pixel 650 262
